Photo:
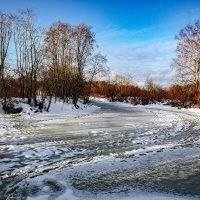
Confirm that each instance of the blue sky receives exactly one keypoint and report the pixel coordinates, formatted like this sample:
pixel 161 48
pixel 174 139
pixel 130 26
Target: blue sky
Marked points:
pixel 136 36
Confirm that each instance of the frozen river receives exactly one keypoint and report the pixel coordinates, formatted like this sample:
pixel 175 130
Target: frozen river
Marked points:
pixel 117 152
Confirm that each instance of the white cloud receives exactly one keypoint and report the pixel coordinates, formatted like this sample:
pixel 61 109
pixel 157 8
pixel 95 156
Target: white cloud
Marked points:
pixel 143 59
pixel 110 32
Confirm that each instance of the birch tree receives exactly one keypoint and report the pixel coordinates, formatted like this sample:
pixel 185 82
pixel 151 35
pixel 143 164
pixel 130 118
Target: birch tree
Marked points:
pixel 187 61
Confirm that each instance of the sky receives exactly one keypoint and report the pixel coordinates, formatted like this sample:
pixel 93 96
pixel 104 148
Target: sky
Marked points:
pixel 137 36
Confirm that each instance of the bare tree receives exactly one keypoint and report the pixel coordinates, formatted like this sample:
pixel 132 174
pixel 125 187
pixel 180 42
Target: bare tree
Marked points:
pixel 59 55
pixel 83 43
pixel 29 56
pixel 68 49
pixel 187 61
pixel 5 38
pixel 97 68
pixel 123 81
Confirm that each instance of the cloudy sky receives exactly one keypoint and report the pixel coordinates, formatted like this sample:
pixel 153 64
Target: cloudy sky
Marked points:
pixel 137 36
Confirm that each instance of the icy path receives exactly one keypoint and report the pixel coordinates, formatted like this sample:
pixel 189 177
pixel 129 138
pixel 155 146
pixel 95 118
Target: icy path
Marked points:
pixel 118 152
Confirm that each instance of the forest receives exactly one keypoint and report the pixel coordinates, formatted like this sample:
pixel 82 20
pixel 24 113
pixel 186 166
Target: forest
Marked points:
pixel 63 62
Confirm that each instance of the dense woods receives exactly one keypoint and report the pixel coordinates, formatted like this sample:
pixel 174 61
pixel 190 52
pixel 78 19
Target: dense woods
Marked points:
pixel 63 62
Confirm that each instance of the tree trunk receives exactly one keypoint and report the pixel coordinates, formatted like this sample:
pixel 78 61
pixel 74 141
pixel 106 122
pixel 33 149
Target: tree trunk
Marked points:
pixel 49 104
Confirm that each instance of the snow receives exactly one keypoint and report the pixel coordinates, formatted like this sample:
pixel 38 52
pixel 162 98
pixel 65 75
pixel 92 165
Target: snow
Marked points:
pixel 169 108
pixel 65 108
pixel 103 100
pixel 135 196
pixel 68 193
pixel 146 134
pixel 139 196
pixel 58 108
pixel 41 197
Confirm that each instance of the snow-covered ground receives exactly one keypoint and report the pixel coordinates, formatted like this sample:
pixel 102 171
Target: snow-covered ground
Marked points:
pixel 117 152
pixel 58 108
pixel 195 111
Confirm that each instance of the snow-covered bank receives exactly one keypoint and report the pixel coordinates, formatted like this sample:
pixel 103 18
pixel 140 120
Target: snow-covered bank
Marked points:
pixel 58 107
pixel 195 111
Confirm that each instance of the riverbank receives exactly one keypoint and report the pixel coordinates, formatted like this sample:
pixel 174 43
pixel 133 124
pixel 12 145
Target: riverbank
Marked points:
pixel 57 108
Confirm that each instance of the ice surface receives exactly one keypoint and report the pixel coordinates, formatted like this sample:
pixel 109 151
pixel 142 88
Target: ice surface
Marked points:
pixel 117 152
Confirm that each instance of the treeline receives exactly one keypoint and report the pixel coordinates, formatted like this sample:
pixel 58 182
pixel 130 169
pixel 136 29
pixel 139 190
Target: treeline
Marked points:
pixel 53 62
pixel 126 91
pixel 175 95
